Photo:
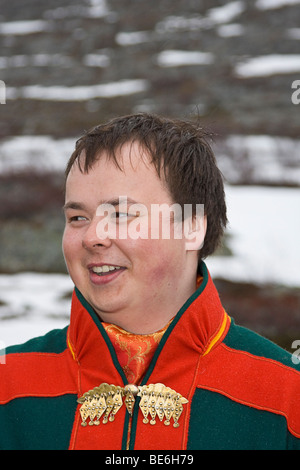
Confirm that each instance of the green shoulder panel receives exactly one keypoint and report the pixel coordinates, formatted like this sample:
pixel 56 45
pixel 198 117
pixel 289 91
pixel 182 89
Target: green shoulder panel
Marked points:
pixel 37 423
pixel 54 341
pixel 243 339
pixel 218 423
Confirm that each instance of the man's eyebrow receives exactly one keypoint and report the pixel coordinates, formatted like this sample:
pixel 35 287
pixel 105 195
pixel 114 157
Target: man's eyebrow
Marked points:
pixel 73 205
pixel 114 202
pixel 120 200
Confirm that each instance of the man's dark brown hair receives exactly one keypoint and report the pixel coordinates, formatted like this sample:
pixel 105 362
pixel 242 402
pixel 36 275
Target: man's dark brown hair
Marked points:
pixel 181 154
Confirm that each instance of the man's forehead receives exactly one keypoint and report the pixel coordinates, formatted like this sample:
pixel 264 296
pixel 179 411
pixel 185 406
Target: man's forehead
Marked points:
pixel 131 164
pixel 134 175
pixel 129 152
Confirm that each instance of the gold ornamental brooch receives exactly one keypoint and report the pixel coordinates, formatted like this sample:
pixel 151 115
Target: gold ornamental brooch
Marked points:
pixel 156 401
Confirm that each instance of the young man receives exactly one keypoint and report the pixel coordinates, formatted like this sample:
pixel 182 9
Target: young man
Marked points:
pixel 150 359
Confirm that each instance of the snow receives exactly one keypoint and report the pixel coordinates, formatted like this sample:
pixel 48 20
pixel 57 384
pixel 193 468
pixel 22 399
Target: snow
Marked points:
pixel 33 305
pixel 40 152
pixel 133 37
pixel 52 60
pixel 259 159
pixel 19 331
pixel 180 23
pixel 263 236
pixel 293 33
pixel 97 8
pixel 230 30
pixel 35 60
pixel 214 17
pixel 23 27
pixel 92 8
pixel 266 65
pixel 173 58
pixel 272 4
pixel 17 291
pixel 96 60
pixel 78 93
pixel 227 12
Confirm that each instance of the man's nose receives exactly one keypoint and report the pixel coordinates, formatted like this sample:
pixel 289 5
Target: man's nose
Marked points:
pixel 96 235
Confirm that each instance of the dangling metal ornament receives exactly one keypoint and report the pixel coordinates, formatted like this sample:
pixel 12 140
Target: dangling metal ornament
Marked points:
pixel 160 401
pixel 156 401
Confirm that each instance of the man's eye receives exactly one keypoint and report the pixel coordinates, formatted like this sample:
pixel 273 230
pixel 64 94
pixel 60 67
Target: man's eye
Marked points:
pixel 77 218
pixel 121 215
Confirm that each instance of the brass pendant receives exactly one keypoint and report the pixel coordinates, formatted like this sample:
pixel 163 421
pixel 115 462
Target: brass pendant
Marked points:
pixel 160 401
pixel 156 401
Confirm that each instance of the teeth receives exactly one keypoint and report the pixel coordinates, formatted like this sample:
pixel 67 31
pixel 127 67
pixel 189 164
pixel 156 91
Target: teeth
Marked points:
pixel 104 269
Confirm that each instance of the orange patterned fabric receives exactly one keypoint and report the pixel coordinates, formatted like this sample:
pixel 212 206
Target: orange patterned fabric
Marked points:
pixel 134 352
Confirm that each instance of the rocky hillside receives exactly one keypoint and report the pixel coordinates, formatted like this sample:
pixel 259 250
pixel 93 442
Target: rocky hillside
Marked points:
pixel 68 66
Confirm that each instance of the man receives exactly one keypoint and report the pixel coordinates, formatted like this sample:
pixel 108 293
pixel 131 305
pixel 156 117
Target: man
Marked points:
pixel 150 359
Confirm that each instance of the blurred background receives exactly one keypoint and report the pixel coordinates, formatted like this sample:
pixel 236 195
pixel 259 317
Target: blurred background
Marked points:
pixel 68 66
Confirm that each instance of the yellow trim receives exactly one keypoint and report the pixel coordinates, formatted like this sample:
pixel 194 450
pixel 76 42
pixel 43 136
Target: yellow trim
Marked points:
pixel 219 334
pixel 70 347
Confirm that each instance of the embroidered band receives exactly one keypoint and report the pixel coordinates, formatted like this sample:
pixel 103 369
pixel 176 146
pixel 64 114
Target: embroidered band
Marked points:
pixel 157 400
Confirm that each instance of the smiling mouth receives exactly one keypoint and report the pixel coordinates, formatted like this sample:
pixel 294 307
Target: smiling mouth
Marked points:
pixel 106 269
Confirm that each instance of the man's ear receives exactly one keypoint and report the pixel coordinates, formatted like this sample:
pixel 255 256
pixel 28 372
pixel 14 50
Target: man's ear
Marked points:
pixel 195 231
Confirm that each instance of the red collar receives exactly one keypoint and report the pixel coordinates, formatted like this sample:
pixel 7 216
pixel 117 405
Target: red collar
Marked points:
pixel 198 327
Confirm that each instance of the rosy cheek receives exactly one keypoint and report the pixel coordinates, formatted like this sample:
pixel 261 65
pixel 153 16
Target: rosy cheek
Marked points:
pixel 69 244
pixel 159 266
pixel 159 275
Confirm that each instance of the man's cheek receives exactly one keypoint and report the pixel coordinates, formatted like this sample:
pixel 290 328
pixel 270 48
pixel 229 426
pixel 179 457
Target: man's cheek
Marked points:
pixel 159 268
pixel 70 248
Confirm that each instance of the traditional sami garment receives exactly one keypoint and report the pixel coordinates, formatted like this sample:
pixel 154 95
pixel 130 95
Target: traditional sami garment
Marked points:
pixel 210 384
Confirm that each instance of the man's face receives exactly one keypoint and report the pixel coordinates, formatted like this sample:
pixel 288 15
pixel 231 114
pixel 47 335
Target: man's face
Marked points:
pixel 137 283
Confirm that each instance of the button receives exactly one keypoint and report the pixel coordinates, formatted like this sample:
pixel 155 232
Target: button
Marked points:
pixel 132 389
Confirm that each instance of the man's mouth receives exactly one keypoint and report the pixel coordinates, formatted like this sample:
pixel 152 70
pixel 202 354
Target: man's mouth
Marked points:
pixel 105 269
